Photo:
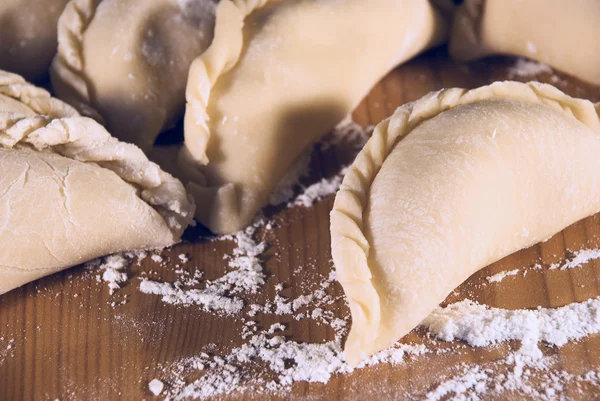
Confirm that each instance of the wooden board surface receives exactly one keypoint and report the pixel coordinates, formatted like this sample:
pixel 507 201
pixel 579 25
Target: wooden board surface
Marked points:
pixel 62 338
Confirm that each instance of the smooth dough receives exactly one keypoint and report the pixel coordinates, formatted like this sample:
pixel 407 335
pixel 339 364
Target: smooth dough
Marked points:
pixel 479 175
pixel 278 75
pixel 28 35
pixel 562 34
pixel 69 192
pixel 128 60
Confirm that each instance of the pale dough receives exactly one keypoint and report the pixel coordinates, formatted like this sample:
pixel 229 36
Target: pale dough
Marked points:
pixel 69 192
pixel 479 175
pixel 562 34
pixel 278 75
pixel 128 61
pixel 28 35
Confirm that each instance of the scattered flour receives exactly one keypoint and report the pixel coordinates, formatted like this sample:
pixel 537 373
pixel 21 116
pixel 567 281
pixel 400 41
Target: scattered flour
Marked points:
pixel 575 260
pixel 578 259
pixel 346 130
pixel 218 295
pixel 496 278
pixel 277 363
pixel 7 348
pixel 526 68
pixel 113 269
pixel 349 131
pixel 480 325
pixel 319 190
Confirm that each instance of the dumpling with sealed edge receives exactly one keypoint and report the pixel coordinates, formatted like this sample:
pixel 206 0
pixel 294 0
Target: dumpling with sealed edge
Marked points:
pixel 69 192
pixel 28 35
pixel 562 34
pixel 125 62
pixel 279 75
pixel 450 184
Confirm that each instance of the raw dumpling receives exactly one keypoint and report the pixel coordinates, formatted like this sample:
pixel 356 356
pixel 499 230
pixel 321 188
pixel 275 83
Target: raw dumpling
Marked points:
pixel 128 61
pixel 278 75
pixel 563 34
pixel 479 175
pixel 69 192
pixel 28 35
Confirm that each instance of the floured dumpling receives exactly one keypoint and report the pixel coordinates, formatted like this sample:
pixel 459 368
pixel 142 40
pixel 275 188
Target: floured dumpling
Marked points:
pixel 69 192
pixel 563 34
pixel 128 60
pixel 28 35
pixel 450 184
pixel 279 75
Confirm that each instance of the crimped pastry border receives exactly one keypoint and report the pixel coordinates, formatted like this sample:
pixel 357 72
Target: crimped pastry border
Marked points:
pixel 349 245
pixel 59 128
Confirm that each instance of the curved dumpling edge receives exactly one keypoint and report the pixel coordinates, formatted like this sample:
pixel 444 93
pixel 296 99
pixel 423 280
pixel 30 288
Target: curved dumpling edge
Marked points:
pixel 349 246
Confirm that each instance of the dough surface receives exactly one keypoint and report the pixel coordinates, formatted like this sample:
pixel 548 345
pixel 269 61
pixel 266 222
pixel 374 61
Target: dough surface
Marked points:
pixel 562 34
pixel 278 75
pixel 28 35
pixel 70 192
pixel 125 62
pixel 450 184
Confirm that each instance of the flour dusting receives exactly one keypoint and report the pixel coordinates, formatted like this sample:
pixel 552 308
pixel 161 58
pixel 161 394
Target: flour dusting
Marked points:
pixel 574 260
pixel 496 278
pixel 526 68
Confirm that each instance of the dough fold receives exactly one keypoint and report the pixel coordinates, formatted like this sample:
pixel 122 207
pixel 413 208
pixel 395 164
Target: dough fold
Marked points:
pixel 125 62
pixel 559 33
pixel 450 184
pixel 28 35
pixel 278 75
pixel 70 192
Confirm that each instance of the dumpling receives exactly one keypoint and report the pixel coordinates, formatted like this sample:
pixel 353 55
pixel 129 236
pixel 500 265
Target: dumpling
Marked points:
pixel 28 35
pixel 278 75
pixel 563 34
pixel 69 192
pixel 450 184
pixel 128 61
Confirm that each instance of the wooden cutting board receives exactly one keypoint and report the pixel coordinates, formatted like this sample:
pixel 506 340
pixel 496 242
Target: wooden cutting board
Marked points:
pixel 64 337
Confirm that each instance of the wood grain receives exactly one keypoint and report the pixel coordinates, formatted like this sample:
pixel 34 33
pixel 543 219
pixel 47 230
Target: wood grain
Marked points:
pixel 71 343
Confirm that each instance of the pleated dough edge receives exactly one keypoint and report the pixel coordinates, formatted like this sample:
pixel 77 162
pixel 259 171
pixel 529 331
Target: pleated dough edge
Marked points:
pixel 36 98
pixel 349 245
pixel 58 128
pixel 66 71
pixel 218 59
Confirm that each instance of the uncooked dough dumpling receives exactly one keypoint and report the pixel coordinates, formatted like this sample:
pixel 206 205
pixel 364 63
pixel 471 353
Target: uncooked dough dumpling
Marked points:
pixel 562 34
pixel 279 75
pixel 450 184
pixel 69 192
pixel 28 35
pixel 125 62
